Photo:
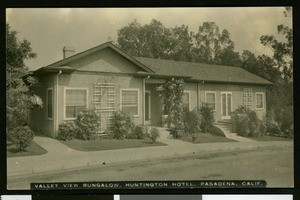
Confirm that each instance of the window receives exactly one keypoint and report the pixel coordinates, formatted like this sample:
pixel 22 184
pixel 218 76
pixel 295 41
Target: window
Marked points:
pixel 186 100
pixel 210 99
pixel 248 98
pixel 50 103
pixel 129 101
pixel 76 101
pixel 259 100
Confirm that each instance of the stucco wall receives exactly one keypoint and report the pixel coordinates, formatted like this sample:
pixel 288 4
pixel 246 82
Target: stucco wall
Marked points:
pixel 38 117
pixel 105 60
pixel 192 89
pixel 87 80
pixel 237 96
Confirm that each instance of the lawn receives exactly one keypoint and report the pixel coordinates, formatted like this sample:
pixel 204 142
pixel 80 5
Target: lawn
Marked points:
pixel 271 138
pixel 109 144
pixel 33 150
pixel 207 138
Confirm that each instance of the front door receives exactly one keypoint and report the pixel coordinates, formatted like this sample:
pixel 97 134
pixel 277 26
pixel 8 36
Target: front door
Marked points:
pixel 147 107
pixel 226 105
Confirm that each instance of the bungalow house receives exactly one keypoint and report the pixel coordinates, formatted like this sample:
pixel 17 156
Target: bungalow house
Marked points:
pixel 106 79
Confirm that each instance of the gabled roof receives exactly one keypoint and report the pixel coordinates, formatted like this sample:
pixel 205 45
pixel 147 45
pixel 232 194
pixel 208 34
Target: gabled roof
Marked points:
pixel 203 72
pixel 168 68
pixel 65 61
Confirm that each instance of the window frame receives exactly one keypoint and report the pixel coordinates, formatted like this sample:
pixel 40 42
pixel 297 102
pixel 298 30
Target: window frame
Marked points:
pixel 138 99
pixel 47 101
pixel 262 99
pixel 211 92
pixel 65 100
pixel 189 94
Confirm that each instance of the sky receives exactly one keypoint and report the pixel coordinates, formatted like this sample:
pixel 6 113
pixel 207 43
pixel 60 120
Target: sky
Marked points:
pixel 49 29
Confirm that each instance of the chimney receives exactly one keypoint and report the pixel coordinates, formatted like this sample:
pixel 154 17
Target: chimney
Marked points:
pixel 68 51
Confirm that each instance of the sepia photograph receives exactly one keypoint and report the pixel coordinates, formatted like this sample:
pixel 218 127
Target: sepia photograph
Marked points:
pixel 140 98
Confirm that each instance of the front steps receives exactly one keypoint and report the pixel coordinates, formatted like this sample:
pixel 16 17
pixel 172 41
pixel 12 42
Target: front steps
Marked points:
pixel 225 126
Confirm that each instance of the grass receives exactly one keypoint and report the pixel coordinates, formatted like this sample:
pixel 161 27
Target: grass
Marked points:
pixel 207 138
pixel 33 150
pixel 109 144
pixel 271 138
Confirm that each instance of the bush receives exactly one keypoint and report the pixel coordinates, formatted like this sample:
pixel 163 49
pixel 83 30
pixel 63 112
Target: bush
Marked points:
pixel 246 123
pixel 154 134
pixel 191 121
pixel 123 125
pixel 177 133
pixel 87 124
pixel 207 118
pixel 67 131
pixel 21 137
pixel 282 123
pixel 140 132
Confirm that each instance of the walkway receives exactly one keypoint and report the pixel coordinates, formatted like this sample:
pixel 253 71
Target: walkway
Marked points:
pixel 60 157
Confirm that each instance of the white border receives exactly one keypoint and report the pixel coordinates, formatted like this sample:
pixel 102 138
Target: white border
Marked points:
pixel 215 98
pixel 47 100
pixel 231 104
pixel 74 88
pixel 138 93
pixel 263 101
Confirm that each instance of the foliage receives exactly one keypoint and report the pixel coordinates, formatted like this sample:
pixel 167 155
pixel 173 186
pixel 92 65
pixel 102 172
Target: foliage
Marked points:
pixel 87 124
pixel 154 40
pixel 154 134
pixel 285 127
pixel 207 118
pixel 123 125
pixel 246 123
pixel 18 100
pixel 171 96
pixel 177 132
pixel 67 131
pixel 191 121
pixel 21 137
pixel 140 132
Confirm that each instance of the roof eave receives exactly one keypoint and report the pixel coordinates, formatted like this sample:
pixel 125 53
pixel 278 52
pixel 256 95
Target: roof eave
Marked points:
pixel 230 82
pixel 98 48
pixel 160 76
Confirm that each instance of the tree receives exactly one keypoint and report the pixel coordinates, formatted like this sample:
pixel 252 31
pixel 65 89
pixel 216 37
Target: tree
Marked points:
pixel 213 47
pixel 151 40
pixel 280 95
pixel 154 40
pixel 282 50
pixel 18 99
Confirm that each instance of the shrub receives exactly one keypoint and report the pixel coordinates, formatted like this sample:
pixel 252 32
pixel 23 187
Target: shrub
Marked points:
pixel 21 137
pixel 123 125
pixel 67 131
pixel 207 118
pixel 177 133
pixel 191 121
pixel 280 124
pixel 171 97
pixel 154 134
pixel 87 124
pixel 246 123
pixel 140 132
